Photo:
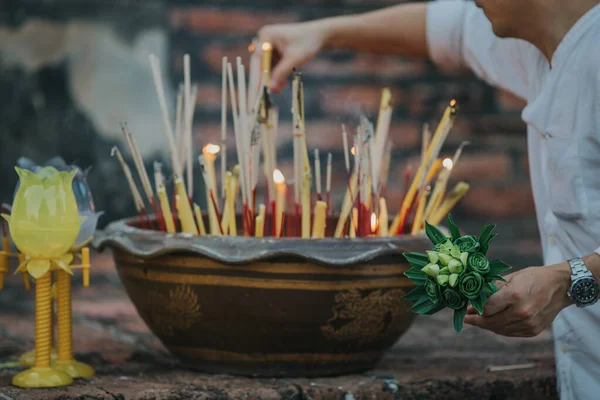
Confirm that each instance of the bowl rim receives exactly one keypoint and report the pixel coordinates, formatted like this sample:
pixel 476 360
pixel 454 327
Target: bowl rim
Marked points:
pixel 237 250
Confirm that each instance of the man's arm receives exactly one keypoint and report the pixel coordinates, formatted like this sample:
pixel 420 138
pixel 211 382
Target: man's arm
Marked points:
pixel 399 30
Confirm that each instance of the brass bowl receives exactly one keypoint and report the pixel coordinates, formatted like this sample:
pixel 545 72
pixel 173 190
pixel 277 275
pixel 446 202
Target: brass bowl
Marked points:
pixel 267 307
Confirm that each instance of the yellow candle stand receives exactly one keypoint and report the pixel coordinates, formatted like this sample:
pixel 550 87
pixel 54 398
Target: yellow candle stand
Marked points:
pixel 44 226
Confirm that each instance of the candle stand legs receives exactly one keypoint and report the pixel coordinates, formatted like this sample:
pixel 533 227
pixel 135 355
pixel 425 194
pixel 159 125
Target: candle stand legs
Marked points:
pixel 66 362
pixel 42 374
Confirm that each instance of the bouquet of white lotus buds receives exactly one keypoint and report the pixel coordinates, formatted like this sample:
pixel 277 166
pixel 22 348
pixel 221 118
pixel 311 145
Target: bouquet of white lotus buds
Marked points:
pixel 456 272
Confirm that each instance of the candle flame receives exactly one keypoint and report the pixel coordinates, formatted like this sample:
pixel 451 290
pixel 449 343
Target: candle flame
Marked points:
pixel 448 164
pixel 453 103
pixel 211 149
pixel 374 222
pixel 266 46
pixel 278 177
pixel 251 47
pixel 353 150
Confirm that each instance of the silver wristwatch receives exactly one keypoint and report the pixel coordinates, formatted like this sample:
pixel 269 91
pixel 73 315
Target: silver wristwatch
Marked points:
pixel 584 289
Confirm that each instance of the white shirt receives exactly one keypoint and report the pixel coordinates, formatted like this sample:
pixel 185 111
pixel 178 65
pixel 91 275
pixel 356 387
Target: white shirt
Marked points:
pixel 563 129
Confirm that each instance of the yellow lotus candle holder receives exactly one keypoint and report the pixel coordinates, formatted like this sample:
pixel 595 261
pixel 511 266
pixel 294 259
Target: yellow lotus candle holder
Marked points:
pixel 45 226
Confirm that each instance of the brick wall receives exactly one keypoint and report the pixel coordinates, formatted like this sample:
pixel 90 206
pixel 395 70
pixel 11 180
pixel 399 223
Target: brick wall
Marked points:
pixel 338 87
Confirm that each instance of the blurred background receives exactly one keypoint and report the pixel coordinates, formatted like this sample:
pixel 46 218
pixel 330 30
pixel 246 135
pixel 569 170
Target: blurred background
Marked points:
pixel 72 70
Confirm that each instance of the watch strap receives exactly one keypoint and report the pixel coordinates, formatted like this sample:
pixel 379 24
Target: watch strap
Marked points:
pixel 579 269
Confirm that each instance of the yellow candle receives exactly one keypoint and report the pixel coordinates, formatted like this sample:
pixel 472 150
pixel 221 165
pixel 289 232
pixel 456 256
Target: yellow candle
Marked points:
pixel 184 209
pixel 165 207
pixel 320 222
pixel 418 222
pixel 267 54
pixel 199 219
pixel 281 190
pixel 306 205
pixel 234 189
pixel 353 222
pixel 346 206
pixel 439 189
pixel 210 154
pixel 383 217
pixel 440 135
pixel 453 197
pixel 260 221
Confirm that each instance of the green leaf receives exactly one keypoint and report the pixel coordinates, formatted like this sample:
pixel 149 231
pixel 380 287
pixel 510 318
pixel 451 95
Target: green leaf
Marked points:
pixel 459 316
pixel 485 236
pixel 434 234
pixel 435 309
pixel 453 228
pixel 478 305
pixel 497 267
pixel 492 287
pixel 416 275
pixel 416 260
pixel 415 295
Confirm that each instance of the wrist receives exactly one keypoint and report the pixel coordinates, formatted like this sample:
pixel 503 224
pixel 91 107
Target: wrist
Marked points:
pixel 561 274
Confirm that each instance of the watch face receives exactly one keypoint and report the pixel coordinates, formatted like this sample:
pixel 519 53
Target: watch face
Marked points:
pixel 585 291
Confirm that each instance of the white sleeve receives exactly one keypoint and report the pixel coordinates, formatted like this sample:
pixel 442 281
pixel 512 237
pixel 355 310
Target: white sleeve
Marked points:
pixel 460 35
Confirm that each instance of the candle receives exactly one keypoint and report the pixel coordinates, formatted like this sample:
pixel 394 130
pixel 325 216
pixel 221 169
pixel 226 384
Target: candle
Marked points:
pixel 453 197
pixel 281 190
pixel 320 222
pixel 374 224
pixel 432 153
pixel 234 188
pixel 383 217
pixel 353 222
pixel 306 205
pixel 199 219
pixel 259 226
pixel 210 154
pixel 440 188
pixel 351 193
pixel 267 54
pixel 163 198
pixel 184 209
pixel 418 221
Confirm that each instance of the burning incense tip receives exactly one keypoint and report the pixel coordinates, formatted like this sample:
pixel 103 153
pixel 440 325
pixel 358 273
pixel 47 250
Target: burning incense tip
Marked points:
pixel 211 149
pixel 278 177
pixel 448 163
pixel 266 46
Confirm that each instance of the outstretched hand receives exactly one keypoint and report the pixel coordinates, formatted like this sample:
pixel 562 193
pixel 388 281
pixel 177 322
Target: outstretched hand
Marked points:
pixel 527 303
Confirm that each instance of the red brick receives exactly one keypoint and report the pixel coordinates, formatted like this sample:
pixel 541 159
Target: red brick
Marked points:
pixel 509 102
pixel 367 65
pixel 220 21
pixel 481 167
pixel 507 201
pixel 354 100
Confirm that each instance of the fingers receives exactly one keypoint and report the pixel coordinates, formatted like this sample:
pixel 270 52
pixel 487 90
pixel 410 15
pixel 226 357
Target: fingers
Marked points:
pixel 282 71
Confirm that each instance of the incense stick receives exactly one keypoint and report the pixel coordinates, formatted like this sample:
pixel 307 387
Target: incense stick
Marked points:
pixel 318 174
pixel 223 126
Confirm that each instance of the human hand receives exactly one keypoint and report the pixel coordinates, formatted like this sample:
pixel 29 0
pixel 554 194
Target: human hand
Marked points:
pixel 527 303
pixel 293 46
